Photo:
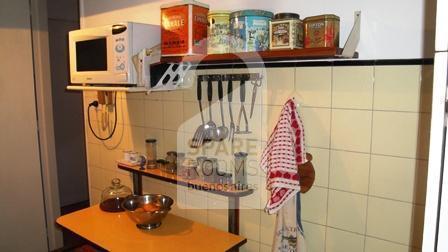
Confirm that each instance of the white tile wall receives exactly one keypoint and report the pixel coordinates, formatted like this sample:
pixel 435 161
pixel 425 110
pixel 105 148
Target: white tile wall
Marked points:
pixel 342 241
pixel 397 88
pixel 347 211
pixel 351 130
pixel 313 84
pixel 366 127
pixel 349 171
pixel 355 92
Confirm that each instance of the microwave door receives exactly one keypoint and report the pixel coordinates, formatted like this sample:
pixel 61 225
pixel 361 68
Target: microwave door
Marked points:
pixel 91 55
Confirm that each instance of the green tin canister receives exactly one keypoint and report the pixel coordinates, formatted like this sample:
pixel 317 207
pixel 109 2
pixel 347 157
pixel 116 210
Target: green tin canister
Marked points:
pixel 218 32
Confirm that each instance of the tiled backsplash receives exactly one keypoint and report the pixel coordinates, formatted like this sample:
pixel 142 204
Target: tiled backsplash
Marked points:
pixel 366 126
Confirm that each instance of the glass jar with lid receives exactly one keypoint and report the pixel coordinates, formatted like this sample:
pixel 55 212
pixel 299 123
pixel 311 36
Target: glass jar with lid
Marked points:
pixel 113 196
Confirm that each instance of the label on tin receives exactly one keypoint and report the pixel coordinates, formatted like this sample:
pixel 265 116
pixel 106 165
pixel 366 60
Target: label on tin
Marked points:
pixel 218 34
pixel 249 34
pixel 322 34
pixel 280 34
pixel 176 25
pixel 199 29
pixel 175 30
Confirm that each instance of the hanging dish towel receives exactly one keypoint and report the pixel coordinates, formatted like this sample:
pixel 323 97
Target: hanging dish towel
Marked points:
pixel 284 151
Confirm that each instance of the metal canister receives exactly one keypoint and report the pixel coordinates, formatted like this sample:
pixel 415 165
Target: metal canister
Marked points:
pixel 218 32
pixel 322 31
pixel 240 178
pixel 286 31
pixel 249 30
pixel 184 28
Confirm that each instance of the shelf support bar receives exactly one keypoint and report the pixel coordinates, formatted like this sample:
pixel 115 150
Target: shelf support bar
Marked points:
pixel 234 215
pixel 353 39
pixel 137 183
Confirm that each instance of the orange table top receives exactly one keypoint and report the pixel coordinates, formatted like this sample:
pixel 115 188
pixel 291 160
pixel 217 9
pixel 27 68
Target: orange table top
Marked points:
pixel 117 232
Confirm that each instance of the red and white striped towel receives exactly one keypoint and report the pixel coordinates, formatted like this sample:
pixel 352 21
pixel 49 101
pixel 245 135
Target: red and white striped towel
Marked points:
pixel 285 150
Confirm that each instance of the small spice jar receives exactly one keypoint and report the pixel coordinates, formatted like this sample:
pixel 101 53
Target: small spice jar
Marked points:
pixel 321 31
pixel 171 158
pixel 151 153
pixel 189 169
pixel 286 31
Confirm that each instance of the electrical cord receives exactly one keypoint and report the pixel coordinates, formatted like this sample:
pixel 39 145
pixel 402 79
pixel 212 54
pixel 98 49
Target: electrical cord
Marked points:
pixel 95 104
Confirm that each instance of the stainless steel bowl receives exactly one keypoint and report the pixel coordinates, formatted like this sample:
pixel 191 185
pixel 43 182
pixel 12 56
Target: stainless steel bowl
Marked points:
pixel 133 205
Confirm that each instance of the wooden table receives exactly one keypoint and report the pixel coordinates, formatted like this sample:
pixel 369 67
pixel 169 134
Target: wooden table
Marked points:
pixel 117 232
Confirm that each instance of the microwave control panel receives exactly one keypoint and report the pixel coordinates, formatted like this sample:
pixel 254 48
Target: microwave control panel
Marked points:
pixel 121 53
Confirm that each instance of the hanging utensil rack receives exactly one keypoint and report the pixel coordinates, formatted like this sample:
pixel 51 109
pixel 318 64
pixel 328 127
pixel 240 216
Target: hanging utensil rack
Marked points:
pixel 232 77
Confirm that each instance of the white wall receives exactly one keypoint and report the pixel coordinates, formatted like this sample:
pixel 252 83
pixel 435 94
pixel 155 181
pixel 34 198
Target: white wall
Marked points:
pixel 389 29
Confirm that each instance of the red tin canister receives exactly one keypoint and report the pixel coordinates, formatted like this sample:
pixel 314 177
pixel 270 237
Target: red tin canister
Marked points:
pixel 184 28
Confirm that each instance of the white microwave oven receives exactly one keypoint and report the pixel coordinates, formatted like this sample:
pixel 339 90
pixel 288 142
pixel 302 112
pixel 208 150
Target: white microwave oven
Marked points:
pixel 103 55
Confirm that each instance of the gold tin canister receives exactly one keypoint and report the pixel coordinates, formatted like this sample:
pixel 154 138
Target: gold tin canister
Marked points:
pixel 218 32
pixel 321 31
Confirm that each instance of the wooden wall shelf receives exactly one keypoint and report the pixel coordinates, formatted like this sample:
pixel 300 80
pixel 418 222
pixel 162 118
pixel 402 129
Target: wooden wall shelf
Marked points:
pixel 265 56
pixel 196 184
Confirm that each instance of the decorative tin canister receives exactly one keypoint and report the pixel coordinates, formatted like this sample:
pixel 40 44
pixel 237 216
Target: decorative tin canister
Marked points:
pixel 249 30
pixel 286 31
pixel 218 32
pixel 322 31
pixel 184 28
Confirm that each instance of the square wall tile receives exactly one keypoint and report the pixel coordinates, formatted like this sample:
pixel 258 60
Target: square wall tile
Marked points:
pixel 351 130
pixel 400 134
pixel 171 140
pixel 267 227
pixel 172 115
pixel 134 114
pixel 395 221
pixel 189 85
pixel 93 154
pixel 108 158
pixel 250 246
pixel 314 237
pixel 347 211
pixel 349 171
pixel 270 116
pixel 217 214
pixel 341 241
pixel 398 178
pixel 316 122
pixel 250 224
pixel 265 248
pixel 280 85
pixel 137 139
pixel 397 88
pixel 192 117
pixel 314 205
pixel 353 87
pixel 375 245
pixel 313 84
pixel 176 95
pixel 321 161
pixel 97 178
pixel 154 114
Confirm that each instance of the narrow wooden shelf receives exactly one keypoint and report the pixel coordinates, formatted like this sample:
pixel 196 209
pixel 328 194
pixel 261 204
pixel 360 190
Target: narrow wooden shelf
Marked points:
pixel 264 56
pixel 196 184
